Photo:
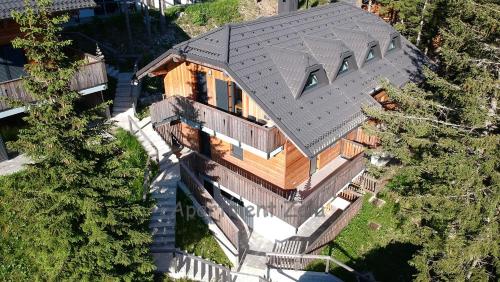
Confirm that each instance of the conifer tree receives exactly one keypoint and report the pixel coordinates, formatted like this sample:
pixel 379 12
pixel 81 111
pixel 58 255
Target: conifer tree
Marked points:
pixel 445 134
pixel 74 207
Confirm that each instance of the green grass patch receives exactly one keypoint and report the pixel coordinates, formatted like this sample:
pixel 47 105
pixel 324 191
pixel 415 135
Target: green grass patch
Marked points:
pixel 220 11
pixel 135 157
pixel 192 234
pixel 384 252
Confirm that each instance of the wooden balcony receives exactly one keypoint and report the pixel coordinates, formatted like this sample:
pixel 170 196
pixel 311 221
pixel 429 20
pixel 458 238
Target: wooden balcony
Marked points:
pixel 91 74
pixel 263 138
pixel 280 202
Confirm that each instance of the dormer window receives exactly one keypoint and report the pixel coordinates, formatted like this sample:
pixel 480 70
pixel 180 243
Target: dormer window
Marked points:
pixel 312 80
pixel 392 44
pixel 345 65
pixel 371 54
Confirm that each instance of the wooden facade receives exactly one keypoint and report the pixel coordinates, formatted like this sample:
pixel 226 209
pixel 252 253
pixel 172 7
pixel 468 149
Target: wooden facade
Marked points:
pixel 264 194
pixel 89 75
pixel 192 115
pixel 181 80
pixel 263 138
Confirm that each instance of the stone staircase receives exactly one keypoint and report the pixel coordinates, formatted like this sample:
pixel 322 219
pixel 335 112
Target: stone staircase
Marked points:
pixel 124 95
pixel 184 265
pixel 162 224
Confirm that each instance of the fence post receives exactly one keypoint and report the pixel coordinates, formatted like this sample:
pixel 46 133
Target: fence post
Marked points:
pixel 327 266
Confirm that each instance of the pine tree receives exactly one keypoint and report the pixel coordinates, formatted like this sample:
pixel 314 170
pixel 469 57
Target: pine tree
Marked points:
pixel 445 134
pixel 74 207
pixel 415 19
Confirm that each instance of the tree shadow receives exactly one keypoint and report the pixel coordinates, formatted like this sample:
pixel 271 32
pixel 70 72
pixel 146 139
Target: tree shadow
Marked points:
pixel 387 263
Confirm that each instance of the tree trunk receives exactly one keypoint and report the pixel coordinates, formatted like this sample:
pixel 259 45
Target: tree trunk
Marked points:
pixel 148 20
pixel 127 22
pixel 370 2
pixel 419 35
pixel 162 17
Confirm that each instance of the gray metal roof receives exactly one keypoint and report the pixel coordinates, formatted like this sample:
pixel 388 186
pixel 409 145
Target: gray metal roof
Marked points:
pixel 8 6
pixel 269 58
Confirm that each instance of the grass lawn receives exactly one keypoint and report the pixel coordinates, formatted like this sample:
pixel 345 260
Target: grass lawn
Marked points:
pixel 193 236
pixel 383 252
pixel 204 16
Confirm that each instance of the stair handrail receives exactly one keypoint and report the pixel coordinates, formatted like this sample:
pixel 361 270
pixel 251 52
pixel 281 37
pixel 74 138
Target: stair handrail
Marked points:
pixel 221 267
pixel 327 259
pixel 132 123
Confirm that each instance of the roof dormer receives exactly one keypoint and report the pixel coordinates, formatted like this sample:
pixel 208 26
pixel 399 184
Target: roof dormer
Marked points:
pixel 347 65
pixel 372 53
pixel 394 43
pixel 316 77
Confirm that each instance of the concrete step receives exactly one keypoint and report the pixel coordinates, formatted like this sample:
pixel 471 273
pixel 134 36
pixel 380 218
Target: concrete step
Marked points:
pixel 163 231
pixel 163 239
pixel 159 224
pixel 165 204
pixel 163 195
pixel 160 217
pixel 162 248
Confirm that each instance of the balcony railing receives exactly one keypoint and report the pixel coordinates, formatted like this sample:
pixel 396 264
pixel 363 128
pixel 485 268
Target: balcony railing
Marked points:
pixel 265 139
pixel 92 74
pixel 264 194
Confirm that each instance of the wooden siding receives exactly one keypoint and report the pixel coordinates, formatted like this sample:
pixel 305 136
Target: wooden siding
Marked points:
pixel 329 155
pixel 365 139
pixel 180 80
pixel 317 196
pixel 268 196
pixel 383 99
pixel 273 169
pixel 89 75
pixel 297 166
pixel 255 190
pixel 221 219
pixel 252 134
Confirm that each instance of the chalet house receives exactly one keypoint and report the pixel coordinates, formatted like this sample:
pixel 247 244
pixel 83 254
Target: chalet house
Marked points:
pixel 271 110
pixel 90 80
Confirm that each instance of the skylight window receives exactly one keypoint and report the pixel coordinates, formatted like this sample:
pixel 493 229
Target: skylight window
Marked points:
pixel 345 65
pixel 312 80
pixel 371 54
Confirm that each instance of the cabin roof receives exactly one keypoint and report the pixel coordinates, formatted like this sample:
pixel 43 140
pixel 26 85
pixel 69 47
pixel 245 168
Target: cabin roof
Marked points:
pixel 262 57
pixel 9 6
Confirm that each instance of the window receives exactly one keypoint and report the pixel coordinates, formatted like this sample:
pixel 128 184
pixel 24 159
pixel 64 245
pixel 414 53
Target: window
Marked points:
pixel 345 65
pixel 371 54
pixel 201 87
pixel 237 99
pixel 392 44
pixel 237 152
pixel 312 80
